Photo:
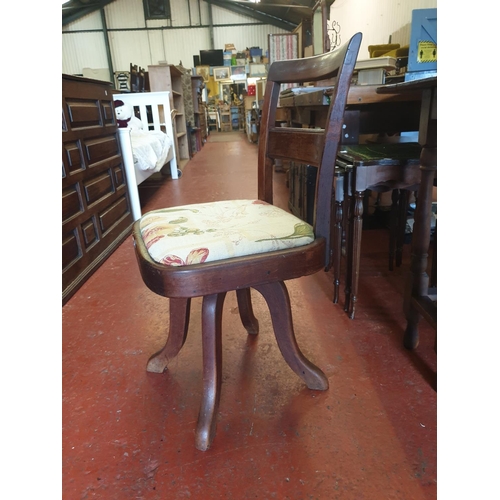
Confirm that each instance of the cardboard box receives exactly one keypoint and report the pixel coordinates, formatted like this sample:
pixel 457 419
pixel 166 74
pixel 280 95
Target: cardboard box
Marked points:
pixel 249 100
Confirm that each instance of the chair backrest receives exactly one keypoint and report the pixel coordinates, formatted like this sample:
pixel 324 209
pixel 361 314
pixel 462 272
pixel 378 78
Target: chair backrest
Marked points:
pixel 316 147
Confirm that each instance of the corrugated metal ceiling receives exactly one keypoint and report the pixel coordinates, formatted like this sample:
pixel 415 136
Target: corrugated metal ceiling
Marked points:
pixel 285 14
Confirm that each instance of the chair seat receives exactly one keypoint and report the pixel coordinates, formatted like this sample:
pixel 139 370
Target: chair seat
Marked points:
pixel 207 232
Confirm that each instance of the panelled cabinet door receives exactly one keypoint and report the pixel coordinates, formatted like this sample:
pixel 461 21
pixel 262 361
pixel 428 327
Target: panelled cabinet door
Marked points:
pixel 96 214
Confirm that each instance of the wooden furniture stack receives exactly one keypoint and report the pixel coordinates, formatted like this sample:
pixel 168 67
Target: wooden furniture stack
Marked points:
pixel 169 77
pixel 381 168
pixel 96 215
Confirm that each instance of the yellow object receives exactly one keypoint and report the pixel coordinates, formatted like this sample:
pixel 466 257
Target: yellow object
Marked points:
pixel 427 52
pixel 213 86
pixel 397 52
pixel 382 49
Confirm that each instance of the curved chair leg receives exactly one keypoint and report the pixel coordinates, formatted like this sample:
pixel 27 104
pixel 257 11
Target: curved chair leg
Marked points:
pixel 212 368
pixel 248 319
pixel 179 323
pixel 277 299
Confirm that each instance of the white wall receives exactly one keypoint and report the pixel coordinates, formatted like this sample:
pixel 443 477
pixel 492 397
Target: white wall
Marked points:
pixel 134 40
pixel 377 20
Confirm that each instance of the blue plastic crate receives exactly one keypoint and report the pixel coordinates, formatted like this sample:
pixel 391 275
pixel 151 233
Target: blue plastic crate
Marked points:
pixel 422 54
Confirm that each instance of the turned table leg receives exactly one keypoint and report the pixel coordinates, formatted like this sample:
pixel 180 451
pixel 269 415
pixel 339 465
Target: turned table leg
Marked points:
pixel 355 250
pixel 337 236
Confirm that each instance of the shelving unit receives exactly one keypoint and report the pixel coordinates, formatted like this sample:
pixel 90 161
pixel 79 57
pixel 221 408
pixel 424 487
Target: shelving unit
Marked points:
pixel 168 77
pixel 252 125
pixel 235 117
pixel 241 118
pixel 225 120
pixel 200 122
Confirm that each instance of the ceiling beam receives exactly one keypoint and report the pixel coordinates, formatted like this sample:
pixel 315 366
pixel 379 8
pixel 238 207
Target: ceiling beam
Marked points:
pixel 251 11
pixel 75 10
pixel 285 6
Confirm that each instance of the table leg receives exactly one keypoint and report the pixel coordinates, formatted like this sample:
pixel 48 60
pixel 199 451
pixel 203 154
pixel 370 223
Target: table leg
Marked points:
pixel 418 283
pixel 348 256
pixel 355 249
pixel 337 235
pixel 393 226
pixel 401 225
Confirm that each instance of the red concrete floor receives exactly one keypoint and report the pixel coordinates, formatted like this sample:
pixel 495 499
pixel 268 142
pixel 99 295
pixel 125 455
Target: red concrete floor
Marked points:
pixel 129 434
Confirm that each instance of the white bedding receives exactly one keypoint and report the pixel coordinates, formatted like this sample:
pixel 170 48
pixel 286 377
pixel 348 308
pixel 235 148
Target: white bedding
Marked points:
pixel 150 149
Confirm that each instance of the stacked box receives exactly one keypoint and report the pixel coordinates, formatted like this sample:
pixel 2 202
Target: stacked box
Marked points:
pixel 227 58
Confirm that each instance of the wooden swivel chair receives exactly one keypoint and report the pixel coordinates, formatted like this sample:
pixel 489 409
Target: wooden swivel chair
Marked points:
pixel 208 249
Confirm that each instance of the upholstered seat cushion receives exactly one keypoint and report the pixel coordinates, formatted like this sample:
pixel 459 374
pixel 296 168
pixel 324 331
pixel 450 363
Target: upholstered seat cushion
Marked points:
pixel 206 232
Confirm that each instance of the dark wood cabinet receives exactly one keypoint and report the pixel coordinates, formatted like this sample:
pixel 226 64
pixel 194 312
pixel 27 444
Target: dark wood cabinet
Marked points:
pixel 96 214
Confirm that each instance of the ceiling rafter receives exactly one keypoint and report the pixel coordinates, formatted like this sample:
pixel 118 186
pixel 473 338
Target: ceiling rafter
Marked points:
pixel 255 11
pixel 284 14
pixel 76 9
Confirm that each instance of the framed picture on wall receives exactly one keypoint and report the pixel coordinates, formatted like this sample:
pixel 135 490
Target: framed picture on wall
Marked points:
pixel 203 71
pixel 257 69
pixel 238 73
pixel 283 46
pixel 222 73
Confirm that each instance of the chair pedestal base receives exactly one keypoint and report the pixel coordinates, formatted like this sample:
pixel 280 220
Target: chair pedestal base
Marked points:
pixel 277 298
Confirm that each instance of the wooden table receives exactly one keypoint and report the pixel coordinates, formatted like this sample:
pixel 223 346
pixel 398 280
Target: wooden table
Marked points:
pixel 393 108
pixel 368 111
pixel 417 300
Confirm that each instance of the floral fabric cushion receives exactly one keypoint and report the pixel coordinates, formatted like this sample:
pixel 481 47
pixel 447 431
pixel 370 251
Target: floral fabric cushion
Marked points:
pixel 206 232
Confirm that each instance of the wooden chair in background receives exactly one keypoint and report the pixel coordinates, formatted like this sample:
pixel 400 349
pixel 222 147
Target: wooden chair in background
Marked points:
pixel 225 118
pixel 137 78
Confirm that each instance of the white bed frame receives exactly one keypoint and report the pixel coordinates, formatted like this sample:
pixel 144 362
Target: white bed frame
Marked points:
pixel 162 121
